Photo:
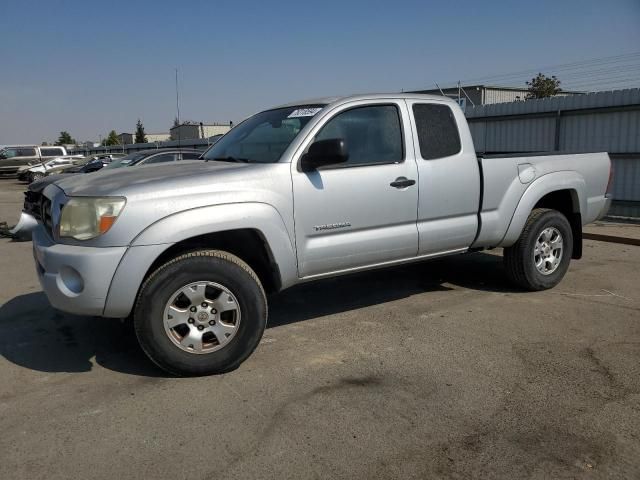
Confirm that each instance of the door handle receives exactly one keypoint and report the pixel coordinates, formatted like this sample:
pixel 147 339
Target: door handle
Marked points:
pixel 402 182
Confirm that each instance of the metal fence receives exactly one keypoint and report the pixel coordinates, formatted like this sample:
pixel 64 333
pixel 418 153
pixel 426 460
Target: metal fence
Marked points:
pixel 200 144
pixel 595 122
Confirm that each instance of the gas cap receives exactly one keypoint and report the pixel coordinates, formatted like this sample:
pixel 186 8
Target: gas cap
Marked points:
pixel 526 173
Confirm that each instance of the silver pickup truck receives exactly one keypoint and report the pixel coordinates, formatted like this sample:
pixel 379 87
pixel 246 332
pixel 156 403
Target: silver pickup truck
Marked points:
pixel 296 193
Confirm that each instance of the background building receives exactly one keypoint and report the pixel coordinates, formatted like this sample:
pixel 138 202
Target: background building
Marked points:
pixel 125 138
pixel 157 137
pixel 194 130
pixel 485 94
pixel 129 138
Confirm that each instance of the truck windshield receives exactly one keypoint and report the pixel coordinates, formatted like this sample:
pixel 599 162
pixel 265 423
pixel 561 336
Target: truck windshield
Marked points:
pixel 8 153
pixel 264 137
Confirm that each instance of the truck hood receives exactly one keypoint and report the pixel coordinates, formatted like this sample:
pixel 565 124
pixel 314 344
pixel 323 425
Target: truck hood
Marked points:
pixel 152 179
pixel 156 192
pixel 40 185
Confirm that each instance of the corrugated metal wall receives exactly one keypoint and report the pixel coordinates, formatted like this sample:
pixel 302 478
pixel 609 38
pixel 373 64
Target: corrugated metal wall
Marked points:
pixel 613 132
pixel 626 179
pixel 516 135
pixel 596 122
pixel 497 95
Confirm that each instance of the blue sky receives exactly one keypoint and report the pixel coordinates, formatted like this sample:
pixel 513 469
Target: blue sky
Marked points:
pixel 90 66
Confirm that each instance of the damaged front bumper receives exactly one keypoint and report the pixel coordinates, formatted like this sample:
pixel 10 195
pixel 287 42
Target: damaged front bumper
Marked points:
pixel 25 226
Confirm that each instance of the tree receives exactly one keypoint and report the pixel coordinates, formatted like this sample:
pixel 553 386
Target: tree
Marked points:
pixel 112 139
pixel 65 139
pixel 542 86
pixel 176 122
pixel 140 135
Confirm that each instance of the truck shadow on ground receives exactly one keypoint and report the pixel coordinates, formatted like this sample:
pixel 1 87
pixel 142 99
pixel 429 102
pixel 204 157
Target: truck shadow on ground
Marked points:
pixel 35 336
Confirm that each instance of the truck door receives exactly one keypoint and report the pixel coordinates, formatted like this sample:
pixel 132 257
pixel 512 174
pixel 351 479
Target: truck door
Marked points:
pixel 362 212
pixel 449 177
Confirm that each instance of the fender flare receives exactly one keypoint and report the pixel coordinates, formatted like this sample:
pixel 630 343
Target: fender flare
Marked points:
pixel 551 182
pixel 162 234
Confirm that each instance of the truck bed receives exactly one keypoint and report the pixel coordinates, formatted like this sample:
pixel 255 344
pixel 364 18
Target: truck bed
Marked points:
pixel 509 182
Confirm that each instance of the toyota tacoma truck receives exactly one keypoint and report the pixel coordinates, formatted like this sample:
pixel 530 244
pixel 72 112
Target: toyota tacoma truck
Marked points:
pixel 296 193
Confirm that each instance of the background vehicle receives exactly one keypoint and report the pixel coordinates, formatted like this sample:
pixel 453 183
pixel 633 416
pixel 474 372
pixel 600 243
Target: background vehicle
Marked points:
pixel 28 221
pixel 12 158
pixel 38 171
pixel 96 161
pixel 160 155
pixel 297 193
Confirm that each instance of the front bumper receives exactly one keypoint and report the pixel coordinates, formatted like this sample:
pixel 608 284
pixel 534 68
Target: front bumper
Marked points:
pixel 75 279
pixel 24 227
pixel 605 207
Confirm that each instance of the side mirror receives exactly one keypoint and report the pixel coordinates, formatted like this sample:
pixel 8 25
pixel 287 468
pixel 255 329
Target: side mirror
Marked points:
pixel 323 153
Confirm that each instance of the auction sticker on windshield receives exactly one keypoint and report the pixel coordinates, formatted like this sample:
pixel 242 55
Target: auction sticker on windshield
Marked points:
pixel 304 112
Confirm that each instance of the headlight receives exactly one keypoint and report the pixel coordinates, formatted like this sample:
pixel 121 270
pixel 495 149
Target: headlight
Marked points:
pixel 84 218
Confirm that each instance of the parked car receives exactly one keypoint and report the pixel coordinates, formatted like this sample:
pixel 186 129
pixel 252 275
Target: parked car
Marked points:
pixel 12 158
pixel 90 164
pixel 38 171
pixel 297 193
pixel 93 165
pixel 159 155
pixel 145 157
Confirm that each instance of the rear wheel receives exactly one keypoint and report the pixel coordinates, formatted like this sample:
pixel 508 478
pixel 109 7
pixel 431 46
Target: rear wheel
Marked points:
pixel 202 313
pixel 540 258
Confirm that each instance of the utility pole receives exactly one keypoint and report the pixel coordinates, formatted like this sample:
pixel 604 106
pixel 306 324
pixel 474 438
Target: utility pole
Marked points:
pixel 178 107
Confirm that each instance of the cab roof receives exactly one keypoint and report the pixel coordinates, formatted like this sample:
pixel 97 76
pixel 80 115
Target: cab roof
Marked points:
pixel 366 96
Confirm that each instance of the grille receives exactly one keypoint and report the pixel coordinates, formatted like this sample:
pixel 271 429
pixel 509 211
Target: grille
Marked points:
pixel 32 203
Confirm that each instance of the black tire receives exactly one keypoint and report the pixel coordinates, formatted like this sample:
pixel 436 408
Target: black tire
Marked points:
pixel 205 265
pixel 519 259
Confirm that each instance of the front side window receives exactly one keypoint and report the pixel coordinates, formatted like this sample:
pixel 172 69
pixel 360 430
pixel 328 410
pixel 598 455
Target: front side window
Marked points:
pixel 125 161
pixel 437 130
pixel 373 134
pixel 162 158
pixel 264 137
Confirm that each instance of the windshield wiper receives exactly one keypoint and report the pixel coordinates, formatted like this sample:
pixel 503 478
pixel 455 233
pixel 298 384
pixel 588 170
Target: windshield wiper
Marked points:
pixel 230 159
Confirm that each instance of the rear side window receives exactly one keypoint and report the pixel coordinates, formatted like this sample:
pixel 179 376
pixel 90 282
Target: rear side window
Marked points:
pixel 373 134
pixel 51 152
pixel 437 130
pixel 27 152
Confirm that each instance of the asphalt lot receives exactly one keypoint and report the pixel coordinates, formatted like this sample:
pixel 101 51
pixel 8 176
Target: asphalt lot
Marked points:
pixel 436 370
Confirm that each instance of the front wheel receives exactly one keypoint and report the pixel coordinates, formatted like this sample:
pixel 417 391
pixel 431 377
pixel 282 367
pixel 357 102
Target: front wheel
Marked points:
pixel 541 256
pixel 202 313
